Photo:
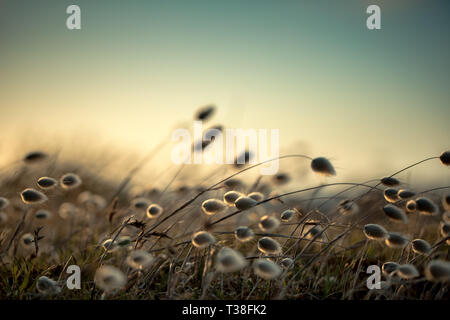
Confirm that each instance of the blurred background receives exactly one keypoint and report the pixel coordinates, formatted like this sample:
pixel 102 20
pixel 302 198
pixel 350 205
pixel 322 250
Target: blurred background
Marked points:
pixel 371 101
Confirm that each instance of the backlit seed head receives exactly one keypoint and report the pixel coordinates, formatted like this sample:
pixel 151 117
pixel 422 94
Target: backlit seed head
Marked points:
pixel 391 195
pixel 47 286
pixel 426 207
pixel 266 269
pixel 314 232
pixel 287 262
pixel 27 239
pixel 229 260
pixel 140 204
pixel 445 229
pixel 233 183
pixel 244 203
pixel 375 232
pixel 231 196
pixel 390 181
pixel 348 207
pixel 407 271
pixel 47 183
pixel 203 239
pixel 268 245
pixel 67 210
pixel 43 214
pixel 244 234
pixel 139 259
pixel 438 271
pixel 396 240
pixel 70 181
pixel 257 196
pixel 389 267
pixel 446 202
pixel 109 245
pixel 109 278
pixel 323 166
pixel 411 206
pixel 123 241
pixel 204 113
pixel 420 246
pixel 91 200
pixel 154 211
pixel 34 157
pixel 280 179
pixel 32 196
pixel 405 194
pixel 268 224
pixel 445 158
pixel 213 206
pixel 395 214
pixel 287 215
pixel 4 203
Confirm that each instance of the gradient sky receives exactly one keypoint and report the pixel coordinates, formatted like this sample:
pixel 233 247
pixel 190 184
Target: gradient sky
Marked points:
pixel 370 100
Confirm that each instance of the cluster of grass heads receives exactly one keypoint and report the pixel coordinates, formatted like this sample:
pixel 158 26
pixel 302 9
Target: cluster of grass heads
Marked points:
pixel 231 239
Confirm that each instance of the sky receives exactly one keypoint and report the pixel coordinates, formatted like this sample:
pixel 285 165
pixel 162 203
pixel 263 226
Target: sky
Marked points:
pixel 372 101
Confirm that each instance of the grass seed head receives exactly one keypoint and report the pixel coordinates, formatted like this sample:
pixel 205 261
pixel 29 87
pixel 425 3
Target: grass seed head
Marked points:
pixel 445 229
pixel 27 239
pixel 348 207
pixel 70 181
pixel 390 181
pixel 47 286
pixel 287 263
pixel 405 194
pixel 109 278
pixel 244 234
pixel 389 267
pixel 268 245
pixel 229 260
pixel 154 211
pixel 438 271
pixel 375 232
pixel 323 166
pixel 139 260
pixel 257 196
pixel 230 197
pixel 426 207
pixel 411 206
pixel 203 239
pixel 244 203
pixel 445 158
pixel 396 240
pixel 43 214
pixel 205 113
pixel 34 157
pixel 395 214
pixel 281 178
pixel 287 215
pixel 32 196
pixel 268 223
pixel 391 195
pixel 47 183
pixel 420 246
pixel 407 271
pixel 266 269
pixel 67 210
pixel 213 206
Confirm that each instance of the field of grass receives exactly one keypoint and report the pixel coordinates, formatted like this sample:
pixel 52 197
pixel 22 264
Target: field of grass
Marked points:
pixel 227 238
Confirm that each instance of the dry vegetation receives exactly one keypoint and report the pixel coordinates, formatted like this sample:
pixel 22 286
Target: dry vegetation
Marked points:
pixel 225 239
